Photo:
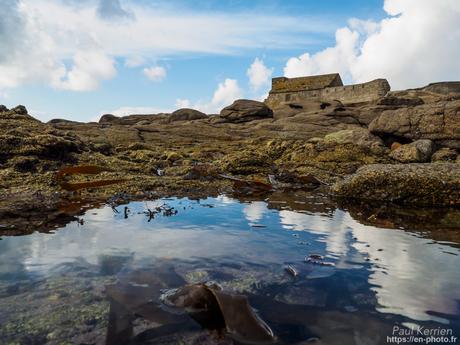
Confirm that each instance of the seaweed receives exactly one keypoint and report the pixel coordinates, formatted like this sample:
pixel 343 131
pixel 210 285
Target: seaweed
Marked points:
pixel 83 169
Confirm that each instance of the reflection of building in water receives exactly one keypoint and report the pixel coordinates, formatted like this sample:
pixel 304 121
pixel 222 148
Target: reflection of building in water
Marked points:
pixel 410 275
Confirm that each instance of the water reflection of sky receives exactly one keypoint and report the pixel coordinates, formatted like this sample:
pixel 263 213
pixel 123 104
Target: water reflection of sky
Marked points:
pixel 411 276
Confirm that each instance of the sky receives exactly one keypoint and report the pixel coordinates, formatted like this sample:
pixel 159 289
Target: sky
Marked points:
pixel 79 59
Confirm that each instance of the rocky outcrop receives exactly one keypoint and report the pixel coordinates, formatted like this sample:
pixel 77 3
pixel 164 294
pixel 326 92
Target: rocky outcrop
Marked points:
pixel 419 151
pixel 109 118
pixel 444 154
pixel 20 109
pixel 445 87
pixel 135 119
pixel 419 184
pixel 439 121
pixel 244 110
pixel 357 136
pixel 392 100
pixel 186 114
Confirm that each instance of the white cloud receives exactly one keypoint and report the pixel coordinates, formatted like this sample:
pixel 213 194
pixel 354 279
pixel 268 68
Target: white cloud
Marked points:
pixel 124 111
pixel 155 73
pixel 183 103
pixel 87 70
pixel 48 41
pixel 254 212
pixel 259 74
pixel 415 44
pixel 134 61
pixel 225 93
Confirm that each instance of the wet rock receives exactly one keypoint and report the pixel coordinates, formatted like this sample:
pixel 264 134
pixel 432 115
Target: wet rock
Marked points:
pixel 291 270
pixel 244 110
pixel 213 308
pixel 444 154
pixel 201 172
pixel 419 151
pixel 187 114
pixel 418 184
pixel 25 164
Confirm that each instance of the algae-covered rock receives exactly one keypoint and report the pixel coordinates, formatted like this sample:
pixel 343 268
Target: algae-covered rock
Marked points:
pixel 444 154
pixel 420 184
pixel 419 151
pixel 357 136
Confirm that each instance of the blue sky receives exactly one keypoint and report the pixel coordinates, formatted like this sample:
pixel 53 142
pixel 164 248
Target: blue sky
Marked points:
pixel 78 59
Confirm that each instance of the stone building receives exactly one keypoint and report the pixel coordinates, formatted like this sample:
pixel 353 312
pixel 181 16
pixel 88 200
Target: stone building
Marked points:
pixel 327 87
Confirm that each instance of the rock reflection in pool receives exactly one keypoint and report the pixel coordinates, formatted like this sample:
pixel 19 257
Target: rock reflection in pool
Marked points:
pixel 381 276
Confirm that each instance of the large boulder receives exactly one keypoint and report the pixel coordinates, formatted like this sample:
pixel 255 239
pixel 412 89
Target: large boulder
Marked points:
pixel 20 110
pixel 3 108
pixel 357 136
pixel 244 110
pixel 419 151
pixel 418 184
pixel 109 118
pixel 187 114
pixel 439 121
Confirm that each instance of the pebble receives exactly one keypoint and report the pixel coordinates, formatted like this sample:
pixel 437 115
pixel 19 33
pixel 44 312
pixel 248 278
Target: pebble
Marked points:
pixel 292 270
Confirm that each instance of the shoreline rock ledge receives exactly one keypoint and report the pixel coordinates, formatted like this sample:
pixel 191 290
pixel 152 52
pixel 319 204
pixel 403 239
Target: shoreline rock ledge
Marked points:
pixel 414 183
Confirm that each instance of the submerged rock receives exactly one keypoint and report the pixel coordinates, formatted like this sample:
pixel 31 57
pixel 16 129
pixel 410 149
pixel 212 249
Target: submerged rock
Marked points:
pixel 244 110
pixel 420 184
pixel 214 309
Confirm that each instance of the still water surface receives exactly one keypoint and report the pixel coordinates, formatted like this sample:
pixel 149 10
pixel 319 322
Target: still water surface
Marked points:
pixel 61 287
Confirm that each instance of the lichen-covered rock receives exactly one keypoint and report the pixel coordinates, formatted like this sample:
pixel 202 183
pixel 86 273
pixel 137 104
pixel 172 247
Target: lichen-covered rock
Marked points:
pixel 358 136
pixel 187 114
pixel 400 101
pixel 439 121
pixel 109 118
pixel 20 109
pixel 444 154
pixel 288 109
pixel 244 110
pixel 419 184
pixel 419 151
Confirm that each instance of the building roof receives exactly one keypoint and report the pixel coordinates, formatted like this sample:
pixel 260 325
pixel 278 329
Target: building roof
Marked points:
pixel 314 82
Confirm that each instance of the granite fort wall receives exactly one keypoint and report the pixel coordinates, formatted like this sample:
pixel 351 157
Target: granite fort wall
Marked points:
pixel 357 93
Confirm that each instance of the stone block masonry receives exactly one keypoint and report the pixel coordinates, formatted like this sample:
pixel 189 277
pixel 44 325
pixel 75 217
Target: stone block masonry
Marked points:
pixel 357 93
